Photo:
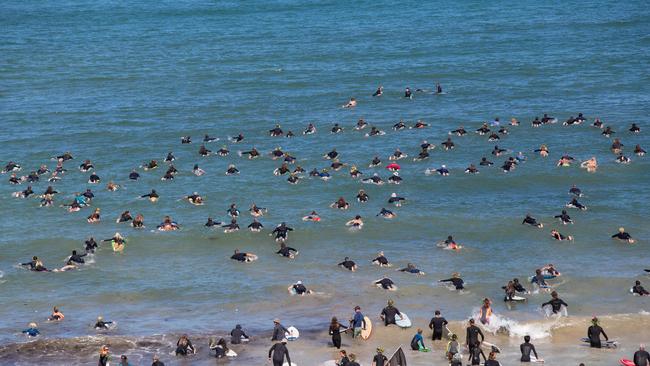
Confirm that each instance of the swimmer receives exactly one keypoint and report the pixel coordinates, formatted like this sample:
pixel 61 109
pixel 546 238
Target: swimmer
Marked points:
pixel 75 259
pixel 634 128
pixel 35 265
pixel 94 217
pixel 94 179
pixel 471 169
pixel 539 279
pixel 387 284
pixel 197 171
pixel 168 225
pixel 11 167
pixel 564 218
pixel 622 159
pixel 399 126
pixel 102 324
pixel 396 200
pixel 509 165
pixel 186 139
pixel 14 179
pixel 324 175
pixel 299 289
pixel 237 139
pixel 420 124
pixel 639 290
pixel 341 204
pixel 152 196
pixel 356 222
pixel 361 124
pixel 362 196
pixel 355 172
pixel 575 204
pixel 223 151
pixel 32 331
pixel 194 199
pixel 255 226
pixel 287 252
pixel 425 145
pixel 556 303
pixel 203 151
pixel 448 144
pixel 232 227
pixel 256 211
pixel 381 260
pixel 638 150
pixel 25 193
pixel 350 104
pixel 252 153
pixel 313 217
pixel 277 153
pixel 348 264
pixel 484 129
pixel 311 129
pixel 211 223
pixel 134 175
pixel 57 315
pixel 407 93
pixel 138 222
pixel 503 131
pixel 379 92
pixel 514 122
pixel 375 162
pixel 387 214
pixel 443 170
pixel 617 146
pixel 424 154
pixel 460 131
pixel 529 220
pixel 520 157
pixel 597 123
pixel 591 165
pixel 485 162
pixel 510 291
pixel 493 137
pixel 397 155
pixel 208 138
pixel 86 166
pixel 232 210
pixel 543 151
pixel 395 178
pixel 170 157
pixel 575 191
pixel 276 131
pixel 293 178
pixel 456 281
pixel 449 243
pixel 375 179
pixel 374 131
pixel 91 245
pixel 331 155
pixel 111 186
pixel 557 236
pixel 336 165
pixel 281 232
pixel 607 132
pixel 184 346
pixel 411 268
pixel 242 256
pixel 124 217
pixel 485 312
pixel 623 236
pixel 497 151
pixel 536 122
pixel 438 88
pixel 232 170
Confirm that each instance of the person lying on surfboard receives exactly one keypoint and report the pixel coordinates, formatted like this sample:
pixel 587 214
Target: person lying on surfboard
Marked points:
pixel 623 235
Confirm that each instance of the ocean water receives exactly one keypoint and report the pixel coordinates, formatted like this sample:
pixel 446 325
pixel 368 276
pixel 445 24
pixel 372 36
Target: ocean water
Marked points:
pixel 120 83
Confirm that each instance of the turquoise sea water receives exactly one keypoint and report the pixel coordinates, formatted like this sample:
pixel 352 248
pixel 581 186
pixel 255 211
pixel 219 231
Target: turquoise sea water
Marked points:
pixel 119 84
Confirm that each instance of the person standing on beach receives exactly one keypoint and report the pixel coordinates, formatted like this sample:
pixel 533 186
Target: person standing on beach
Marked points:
pixel 278 352
pixel 436 324
pixel 278 330
pixel 358 322
pixel 594 332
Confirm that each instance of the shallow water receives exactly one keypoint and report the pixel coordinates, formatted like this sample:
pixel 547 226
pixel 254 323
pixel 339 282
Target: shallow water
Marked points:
pixel 120 84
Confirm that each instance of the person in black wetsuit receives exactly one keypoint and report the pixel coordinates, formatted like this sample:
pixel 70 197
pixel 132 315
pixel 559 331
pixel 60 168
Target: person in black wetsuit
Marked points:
pixel 526 348
pixel 564 217
pixel 641 357
pixel 255 226
pixel 639 290
pixel 379 359
pixel 300 289
pixel 278 352
pixel 76 258
pixel 388 313
pixel 381 260
pixel 623 235
pixel 281 232
pixel 539 279
pixel 91 245
pixel 237 334
pixel 239 256
pixel 102 324
pixel 475 354
pixel 286 251
pixel 436 324
pixel 212 223
pixel 529 220
pixel 594 332
pixel 335 331
pixel 278 330
pixel 456 281
pixel 555 302
pixel 471 336
pixel 517 286
pixel 184 346
pixel 386 283
pixel 35 265
pixel 348 264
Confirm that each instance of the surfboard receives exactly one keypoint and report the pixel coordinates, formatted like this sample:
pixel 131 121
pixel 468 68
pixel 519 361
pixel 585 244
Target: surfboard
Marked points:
pixel 516 298
pixel 231 353
pixel 548 310
pixel 404 321
pixel 292 333
pixel 535 359
pixel 626 362
pixel 446 333
pixel 490 347
pixel 287 364
pixel 366 333
pixel 605 344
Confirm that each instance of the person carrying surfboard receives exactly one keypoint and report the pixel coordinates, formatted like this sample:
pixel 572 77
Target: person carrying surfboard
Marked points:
pixel 388 313
pixel 357 322
pixel 526 348
pixel 278 331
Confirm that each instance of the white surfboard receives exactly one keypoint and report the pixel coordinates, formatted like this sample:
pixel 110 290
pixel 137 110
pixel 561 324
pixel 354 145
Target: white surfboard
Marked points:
pixel 292 333
pixel 403 321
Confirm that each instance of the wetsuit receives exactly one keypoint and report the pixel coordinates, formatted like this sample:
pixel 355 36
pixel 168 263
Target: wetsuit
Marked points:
pixel 436 324
pixel 381 260
pixel 471 336
pixel 335 332
pixel 526 348
pixel 255 225
pixel 300 289
pixel 281 231
pixel 622 236
pixel 279 352
pixel 492 363
pixel 386 213
pixel 638 289
pixel 76 258
pixel 233 226
pixel 485 162
pixel 286 251
pixel 641 358
pixel 211 223
pixel 237 334
pixel 102 324
pixel 386 283
pixel 32 332
pixel 184 348
pixel 417 342
pixel 457 282
pixel 389 313
pixel 530 221
pixel 380 360
pixel 518 287
pixel 593 333
pixel 278 332
pixel 134 176
pixel 475 354
pixel 239 257
pixel 34 266
pixel 362 197
pixel 566 219
pixel 556 304
pixel 348 264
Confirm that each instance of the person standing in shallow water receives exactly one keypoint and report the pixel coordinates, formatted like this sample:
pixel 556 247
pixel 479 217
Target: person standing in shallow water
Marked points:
pixel 335 332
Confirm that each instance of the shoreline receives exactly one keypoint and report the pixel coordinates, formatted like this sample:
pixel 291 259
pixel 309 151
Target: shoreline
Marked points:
pixel 314 347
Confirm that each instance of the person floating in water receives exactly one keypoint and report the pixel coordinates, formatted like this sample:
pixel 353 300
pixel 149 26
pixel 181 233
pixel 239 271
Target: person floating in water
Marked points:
pixel 529 220
pixel 184 346
pixel 299 289
pixel 35 265
pixel 623 236
pixel 57 315
pixel 348 264
pixel 639 289
pixel 32 330
pixel 102 324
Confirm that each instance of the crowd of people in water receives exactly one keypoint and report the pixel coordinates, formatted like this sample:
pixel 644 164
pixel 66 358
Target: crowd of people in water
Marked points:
pixel 495 130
